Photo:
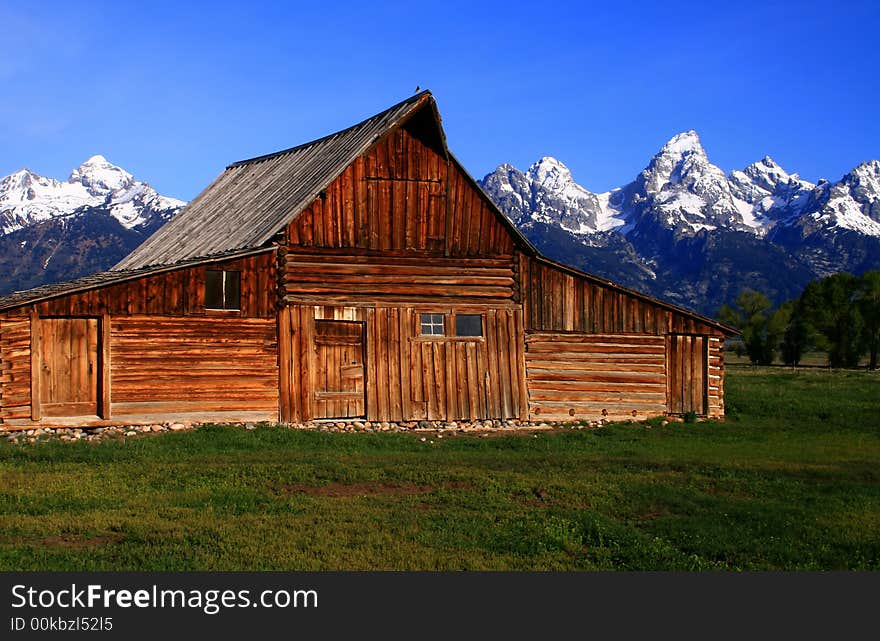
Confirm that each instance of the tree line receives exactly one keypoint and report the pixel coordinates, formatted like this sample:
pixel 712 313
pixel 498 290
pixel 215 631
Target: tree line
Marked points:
pixel 839 314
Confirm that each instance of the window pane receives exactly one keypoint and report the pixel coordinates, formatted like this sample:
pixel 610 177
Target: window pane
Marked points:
pixel 432 324
pixel 213 289
pixel 233 290
pixel 468 325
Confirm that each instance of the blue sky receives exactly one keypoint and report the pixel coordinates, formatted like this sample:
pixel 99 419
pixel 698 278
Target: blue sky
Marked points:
pixel 175 91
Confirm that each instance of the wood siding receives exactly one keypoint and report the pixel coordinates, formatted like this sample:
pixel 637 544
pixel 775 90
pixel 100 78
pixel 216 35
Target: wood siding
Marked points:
pixel 350 280
pixel 180 292
pixel 557 300
pixel 410 377
pixel 15 369
pixel 193 365
pixel 404 196
pixel 580 376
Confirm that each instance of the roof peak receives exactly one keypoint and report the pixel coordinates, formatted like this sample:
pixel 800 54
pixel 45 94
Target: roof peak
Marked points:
pixel 411 100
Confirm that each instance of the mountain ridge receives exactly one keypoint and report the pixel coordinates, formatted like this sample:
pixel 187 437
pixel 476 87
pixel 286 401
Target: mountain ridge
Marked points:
pixel 681 204
pixel 682 230
pixel 53 230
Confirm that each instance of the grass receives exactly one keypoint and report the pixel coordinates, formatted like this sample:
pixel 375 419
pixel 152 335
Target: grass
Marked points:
pixel 790 481
pixel 809 359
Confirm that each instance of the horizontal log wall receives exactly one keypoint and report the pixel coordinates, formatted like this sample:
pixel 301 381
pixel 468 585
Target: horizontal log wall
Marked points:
pixel 556 300
pixel 578 376
pixel 193 364
pixel 15 369
pixel 347 279
pixel 409 377
pixel 403 197
pixel 180 292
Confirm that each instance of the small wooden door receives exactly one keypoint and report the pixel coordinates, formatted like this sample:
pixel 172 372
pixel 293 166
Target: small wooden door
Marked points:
pixel 69 366
pixel 687 364
pixel 339 369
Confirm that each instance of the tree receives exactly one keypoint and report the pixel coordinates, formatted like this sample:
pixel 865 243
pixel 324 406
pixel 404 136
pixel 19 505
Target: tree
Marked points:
pixel 797 337
pixel 830 307
pixel 868 302
pixel 761 331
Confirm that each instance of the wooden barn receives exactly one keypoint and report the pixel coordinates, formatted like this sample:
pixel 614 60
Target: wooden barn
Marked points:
pixel 364 274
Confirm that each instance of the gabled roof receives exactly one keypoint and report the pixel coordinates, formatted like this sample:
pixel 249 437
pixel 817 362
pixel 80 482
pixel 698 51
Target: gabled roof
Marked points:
pixel 253 199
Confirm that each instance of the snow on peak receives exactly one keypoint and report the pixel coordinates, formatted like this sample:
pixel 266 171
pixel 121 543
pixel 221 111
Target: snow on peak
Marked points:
pixel 767 173
pixel 27 198
pixel 868 169
pixel 21 178
pixel 100 177
pixel 550 173
pixel 685 142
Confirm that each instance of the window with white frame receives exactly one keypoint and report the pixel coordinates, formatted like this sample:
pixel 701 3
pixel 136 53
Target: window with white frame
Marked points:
pixel 432 325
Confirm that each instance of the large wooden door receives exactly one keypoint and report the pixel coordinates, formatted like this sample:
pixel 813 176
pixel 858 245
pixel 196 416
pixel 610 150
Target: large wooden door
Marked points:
pixel 687 363
pixel 69 368
pixel 339 369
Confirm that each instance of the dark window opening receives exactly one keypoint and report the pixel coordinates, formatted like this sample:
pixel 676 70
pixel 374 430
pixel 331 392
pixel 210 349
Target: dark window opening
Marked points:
pixel 222 289
pixel 468 325
pixel 432 324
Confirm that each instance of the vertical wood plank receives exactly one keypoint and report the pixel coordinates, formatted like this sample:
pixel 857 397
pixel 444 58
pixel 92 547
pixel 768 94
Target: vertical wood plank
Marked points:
pixel 372 367
pixel 93 364
pixel 36 367
pixel 493 391
pixel 403 353
pixel 106 369
pixel 449 406
pixel 502 340
pixel 361 204
pixel 285 413
pixel 395 375
pixel 474 384
pixel 458 368
pixel 306 360
pixel 441 355
pixel 522 406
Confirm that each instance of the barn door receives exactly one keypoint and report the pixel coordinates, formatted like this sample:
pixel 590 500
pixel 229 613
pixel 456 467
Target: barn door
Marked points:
pixel 69 366
pixel 687 363
pixel 339 369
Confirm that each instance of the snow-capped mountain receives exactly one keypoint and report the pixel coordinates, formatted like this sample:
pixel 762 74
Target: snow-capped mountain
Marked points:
pixel 686 231
pixel 27 198
pixel 52 230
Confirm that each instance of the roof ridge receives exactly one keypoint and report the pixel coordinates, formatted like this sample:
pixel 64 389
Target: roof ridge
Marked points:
pixel 412 99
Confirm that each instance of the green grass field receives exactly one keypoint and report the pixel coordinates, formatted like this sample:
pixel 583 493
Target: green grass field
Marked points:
pixel 790 481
